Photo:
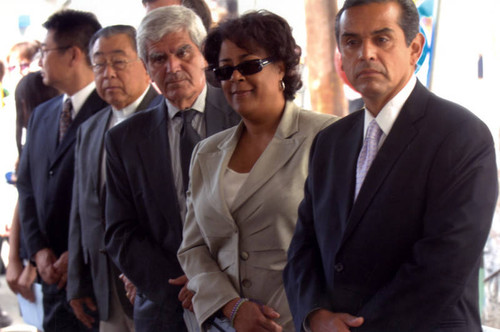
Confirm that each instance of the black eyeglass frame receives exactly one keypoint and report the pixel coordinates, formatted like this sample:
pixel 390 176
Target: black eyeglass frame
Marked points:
pixel 44 51
pixel 224 73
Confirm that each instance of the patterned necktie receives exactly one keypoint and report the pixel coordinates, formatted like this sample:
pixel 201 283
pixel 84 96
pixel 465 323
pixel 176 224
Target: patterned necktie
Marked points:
pixel 367 154
pixel 65 120
pixel 189 138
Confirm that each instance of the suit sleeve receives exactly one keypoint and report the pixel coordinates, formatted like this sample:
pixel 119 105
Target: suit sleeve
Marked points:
pixel 34 238
pixel 129 245
pixel 211 286
pixel 79 278
pixel 303 276
pixel 461 196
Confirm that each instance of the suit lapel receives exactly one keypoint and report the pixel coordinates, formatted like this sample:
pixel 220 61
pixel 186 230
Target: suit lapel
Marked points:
pixel 51 123
pixel 156 159
pixel 281 148
pixel 213 167
pixel 93 104
pixel 216 117
pixel 148 98
pixel 96 154
pixel 346 153
pixel 400 136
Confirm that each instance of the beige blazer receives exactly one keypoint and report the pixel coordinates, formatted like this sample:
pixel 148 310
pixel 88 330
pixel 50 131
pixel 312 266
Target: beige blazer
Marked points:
pixel 242 251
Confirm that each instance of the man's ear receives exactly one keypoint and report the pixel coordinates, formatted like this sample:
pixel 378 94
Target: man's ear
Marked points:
pixel 76 55
pixel 416 48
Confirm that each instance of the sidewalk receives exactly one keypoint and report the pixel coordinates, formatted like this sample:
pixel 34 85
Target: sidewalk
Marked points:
pixel 8 302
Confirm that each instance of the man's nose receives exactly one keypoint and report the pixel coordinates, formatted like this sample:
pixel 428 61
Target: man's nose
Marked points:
pixel 173 64
pixel 367 51
pixel 109 71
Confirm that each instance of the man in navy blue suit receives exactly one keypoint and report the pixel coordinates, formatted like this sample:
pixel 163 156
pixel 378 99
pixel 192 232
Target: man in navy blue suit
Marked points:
pixel 45 176
pixel 146 179
pixel 400 196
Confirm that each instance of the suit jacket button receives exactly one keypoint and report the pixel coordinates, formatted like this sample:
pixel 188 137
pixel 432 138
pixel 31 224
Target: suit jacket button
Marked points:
pixel 246 283
pixel 339 267
pixel 51 172
pixel 244 255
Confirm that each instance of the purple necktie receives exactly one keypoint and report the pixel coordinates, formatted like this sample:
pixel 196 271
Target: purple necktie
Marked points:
pixel 367 154
pixel 65 120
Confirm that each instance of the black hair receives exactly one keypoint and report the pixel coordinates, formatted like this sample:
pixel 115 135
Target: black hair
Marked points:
pixel 259 30
pixel 408 20
pixel 73 28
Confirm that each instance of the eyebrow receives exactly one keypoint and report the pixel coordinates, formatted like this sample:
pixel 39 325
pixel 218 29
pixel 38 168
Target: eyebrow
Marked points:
pixel 113 52
pixel 241 57
pixel 373 33
pixel 382 31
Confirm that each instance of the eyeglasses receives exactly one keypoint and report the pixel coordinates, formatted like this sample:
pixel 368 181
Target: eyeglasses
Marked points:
pixel 245 68
pixel 117 65
pixel 44 51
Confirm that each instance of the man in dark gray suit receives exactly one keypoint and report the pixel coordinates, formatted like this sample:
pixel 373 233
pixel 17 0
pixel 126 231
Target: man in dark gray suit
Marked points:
pixel 45 176
pixel 121 80
pixel 147 168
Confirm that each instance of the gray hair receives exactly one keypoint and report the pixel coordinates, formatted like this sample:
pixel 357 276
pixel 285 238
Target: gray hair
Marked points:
pixel 114 30
pixel 164 20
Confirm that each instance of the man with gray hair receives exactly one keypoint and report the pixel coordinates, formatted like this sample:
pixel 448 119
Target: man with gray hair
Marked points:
pixel 147 166
pixel 200 7
pixel 122 81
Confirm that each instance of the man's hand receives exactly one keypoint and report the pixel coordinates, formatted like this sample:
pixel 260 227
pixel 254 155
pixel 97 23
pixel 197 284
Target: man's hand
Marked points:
pixel 130 289
pixel 61 266
pixel 25 282
pixel 253 317
pixel 326 321
pixel 78 309
pixel 185 295
pixel 14 270
pixel 45 259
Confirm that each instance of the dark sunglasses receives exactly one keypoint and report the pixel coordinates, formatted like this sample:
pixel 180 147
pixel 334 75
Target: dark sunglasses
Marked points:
pixel 245 68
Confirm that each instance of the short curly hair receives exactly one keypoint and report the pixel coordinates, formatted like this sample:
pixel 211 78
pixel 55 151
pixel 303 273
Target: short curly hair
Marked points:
pixel 259 30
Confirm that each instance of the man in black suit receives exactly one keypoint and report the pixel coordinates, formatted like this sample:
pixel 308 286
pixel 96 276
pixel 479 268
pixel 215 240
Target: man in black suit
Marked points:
pixel 147 166
pixel 122 81
pixel 400 196
pixel 47 161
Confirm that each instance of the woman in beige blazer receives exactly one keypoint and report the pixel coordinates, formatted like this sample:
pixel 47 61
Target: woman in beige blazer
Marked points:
pixel 247 181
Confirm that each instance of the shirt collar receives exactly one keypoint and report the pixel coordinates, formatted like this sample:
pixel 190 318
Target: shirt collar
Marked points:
pixel 128 110
pixel 79 98
pixel 388 114
pixel 199 104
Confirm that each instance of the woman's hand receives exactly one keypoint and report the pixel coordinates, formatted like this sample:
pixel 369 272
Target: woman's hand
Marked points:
pixel 253 317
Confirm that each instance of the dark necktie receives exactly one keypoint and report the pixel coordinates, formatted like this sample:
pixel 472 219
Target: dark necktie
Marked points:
pixel 65 120
pixel 189 138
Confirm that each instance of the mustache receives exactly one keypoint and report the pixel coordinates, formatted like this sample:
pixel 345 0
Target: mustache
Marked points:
pixel 175 77
pixel 369 67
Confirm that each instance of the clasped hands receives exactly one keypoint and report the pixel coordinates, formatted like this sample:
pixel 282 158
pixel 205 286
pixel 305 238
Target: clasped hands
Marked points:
pixel 53 270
